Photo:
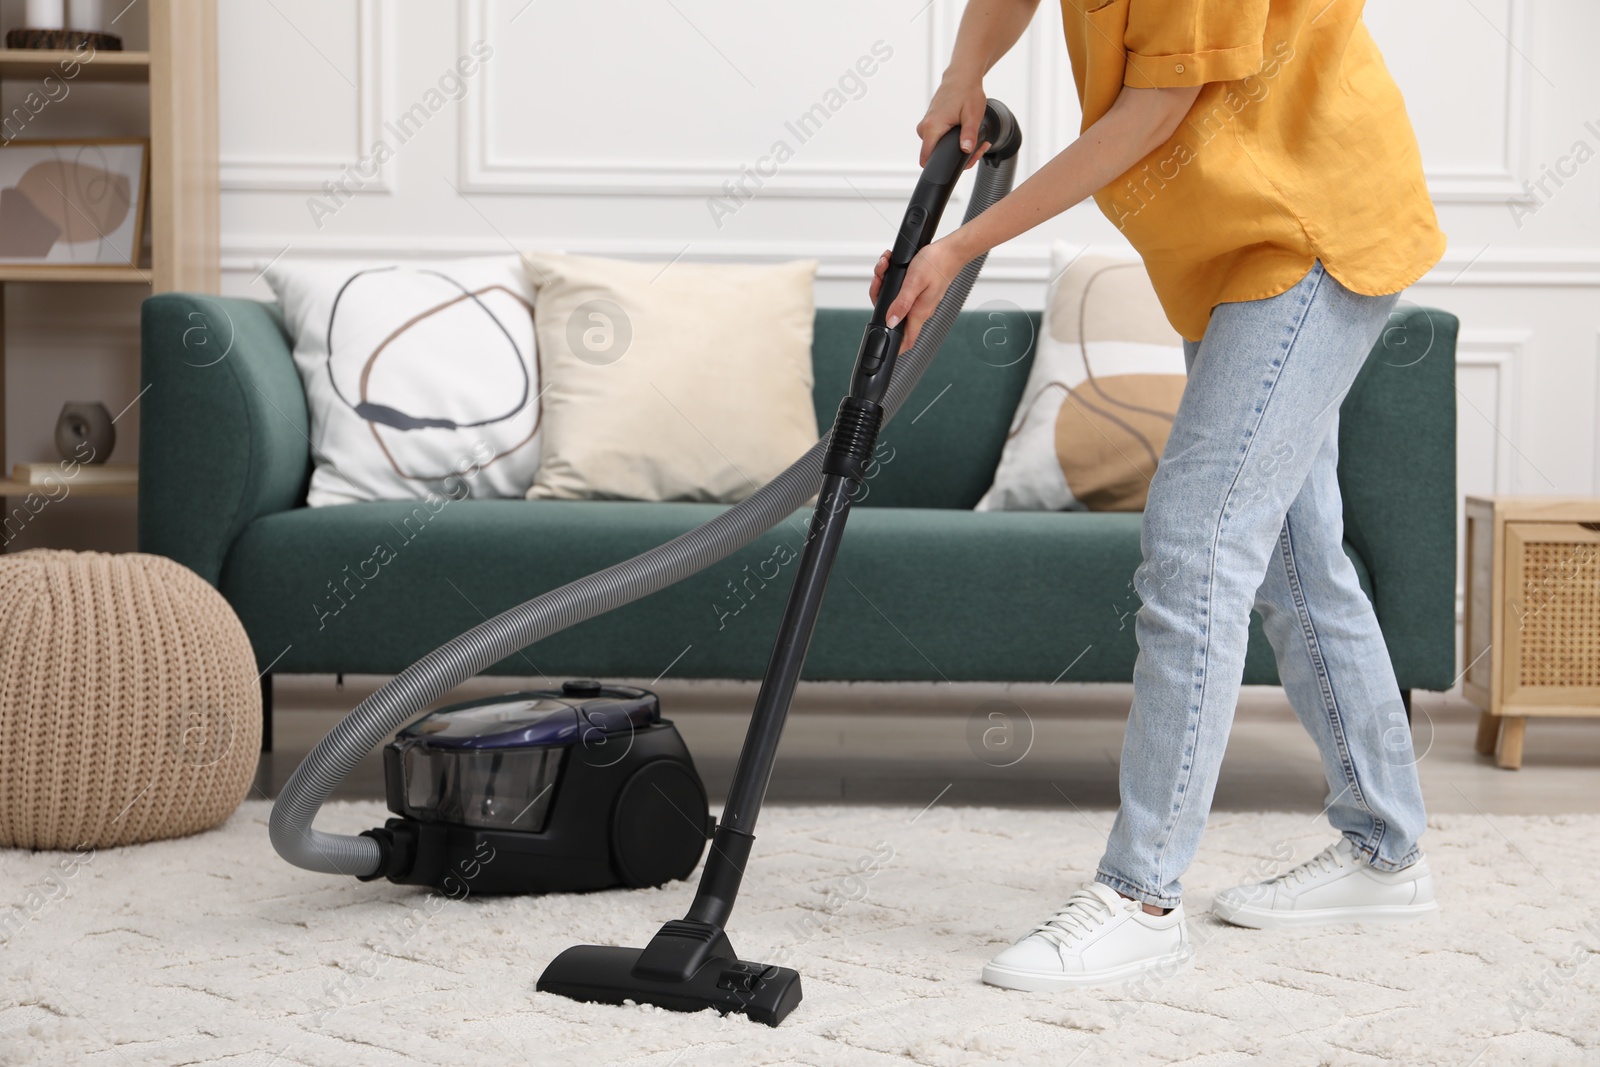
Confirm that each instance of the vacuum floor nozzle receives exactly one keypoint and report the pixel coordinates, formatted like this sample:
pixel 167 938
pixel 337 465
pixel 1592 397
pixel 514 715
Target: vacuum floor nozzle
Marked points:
pixel 688 966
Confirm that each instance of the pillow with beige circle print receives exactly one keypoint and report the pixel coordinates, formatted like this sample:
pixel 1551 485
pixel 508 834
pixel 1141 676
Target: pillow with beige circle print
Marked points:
pixel 1101 394
pixel 421 376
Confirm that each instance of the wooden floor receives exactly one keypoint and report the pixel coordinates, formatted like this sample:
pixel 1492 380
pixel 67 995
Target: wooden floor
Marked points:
pixel 1018 745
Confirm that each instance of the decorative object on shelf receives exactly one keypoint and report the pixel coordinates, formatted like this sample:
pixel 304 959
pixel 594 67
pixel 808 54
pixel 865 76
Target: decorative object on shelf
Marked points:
pixel 47 14
pixel 73 203
pixel 88 15
pixel 1532 621
pixel 47 27
pixel 85 423
pixel 62 40
pixel 98 755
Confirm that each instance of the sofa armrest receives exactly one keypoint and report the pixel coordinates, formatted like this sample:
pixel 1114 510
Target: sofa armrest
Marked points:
pixel 1397 474
pixel 224 434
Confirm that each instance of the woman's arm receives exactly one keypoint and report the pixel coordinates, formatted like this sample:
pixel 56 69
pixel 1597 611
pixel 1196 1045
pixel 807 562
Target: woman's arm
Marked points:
pixel 1139 121
pixel 988 30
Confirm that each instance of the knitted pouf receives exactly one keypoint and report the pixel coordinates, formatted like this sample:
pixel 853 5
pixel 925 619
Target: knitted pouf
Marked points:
pixel 129 703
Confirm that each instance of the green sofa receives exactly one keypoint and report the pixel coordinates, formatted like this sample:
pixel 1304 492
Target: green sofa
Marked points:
pixel 925 588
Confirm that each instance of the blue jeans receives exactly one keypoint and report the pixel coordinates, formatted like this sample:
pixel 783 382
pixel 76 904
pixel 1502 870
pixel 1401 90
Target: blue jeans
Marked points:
pixel 1244 511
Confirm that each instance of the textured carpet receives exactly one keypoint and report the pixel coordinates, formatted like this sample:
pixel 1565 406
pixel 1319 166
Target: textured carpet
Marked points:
pixel 211 950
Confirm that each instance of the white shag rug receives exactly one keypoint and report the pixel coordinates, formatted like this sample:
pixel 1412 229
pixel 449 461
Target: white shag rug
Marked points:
pixel 212 950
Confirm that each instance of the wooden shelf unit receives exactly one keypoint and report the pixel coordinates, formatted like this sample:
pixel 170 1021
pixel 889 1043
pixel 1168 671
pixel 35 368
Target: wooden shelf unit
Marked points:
pixel 181 71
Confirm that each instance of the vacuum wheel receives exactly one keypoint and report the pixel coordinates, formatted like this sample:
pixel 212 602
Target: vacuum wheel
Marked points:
pixel 658 827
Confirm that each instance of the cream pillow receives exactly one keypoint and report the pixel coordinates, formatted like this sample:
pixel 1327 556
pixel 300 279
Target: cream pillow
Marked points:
pixel 681 381
pixel 1100 397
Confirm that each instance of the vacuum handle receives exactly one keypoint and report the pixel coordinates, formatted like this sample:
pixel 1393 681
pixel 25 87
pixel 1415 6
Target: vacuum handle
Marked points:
pixel 945 165
pixel 880 344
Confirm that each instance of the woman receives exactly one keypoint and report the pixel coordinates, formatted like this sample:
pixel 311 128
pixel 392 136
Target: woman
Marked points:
pixel 1258 156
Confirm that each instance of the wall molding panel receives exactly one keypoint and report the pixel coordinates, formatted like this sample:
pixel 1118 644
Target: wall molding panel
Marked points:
pixel 1543 268
pixel 854 259
pixel 850 261
pixel 1495 356
pixel 1488 358
pixel 1594 426
pixel 1503 181
pixel 484 170
pixel 373 103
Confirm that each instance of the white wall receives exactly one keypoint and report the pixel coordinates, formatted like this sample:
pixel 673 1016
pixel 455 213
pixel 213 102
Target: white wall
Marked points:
pixel 605 127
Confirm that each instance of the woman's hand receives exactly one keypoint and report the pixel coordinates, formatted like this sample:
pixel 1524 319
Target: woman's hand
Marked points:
pixel 959 101
pixel 930 274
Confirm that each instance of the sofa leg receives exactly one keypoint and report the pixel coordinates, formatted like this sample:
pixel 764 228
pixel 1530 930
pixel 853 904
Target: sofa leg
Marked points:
pixel 266 712
pixel 1405 698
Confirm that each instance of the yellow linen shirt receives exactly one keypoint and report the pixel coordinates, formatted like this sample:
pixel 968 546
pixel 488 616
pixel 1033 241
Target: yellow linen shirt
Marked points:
pixel 1298 148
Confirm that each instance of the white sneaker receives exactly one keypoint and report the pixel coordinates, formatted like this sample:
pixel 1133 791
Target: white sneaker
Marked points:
pixel 1334 886
pixel 1097 937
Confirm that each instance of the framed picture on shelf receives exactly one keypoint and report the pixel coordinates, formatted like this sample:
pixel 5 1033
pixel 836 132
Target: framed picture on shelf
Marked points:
pixel 73 203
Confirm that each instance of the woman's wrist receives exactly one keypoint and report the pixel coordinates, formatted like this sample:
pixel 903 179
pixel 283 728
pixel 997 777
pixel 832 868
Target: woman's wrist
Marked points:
pixel 963 244
pixel 962 74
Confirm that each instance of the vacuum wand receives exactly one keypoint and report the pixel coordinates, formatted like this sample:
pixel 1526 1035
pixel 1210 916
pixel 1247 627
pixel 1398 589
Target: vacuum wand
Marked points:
pixel 690 965
pixel 850 447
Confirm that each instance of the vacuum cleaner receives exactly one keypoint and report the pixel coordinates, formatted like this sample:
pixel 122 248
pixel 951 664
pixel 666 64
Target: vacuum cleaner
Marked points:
pixel 474 788
pixel 535 791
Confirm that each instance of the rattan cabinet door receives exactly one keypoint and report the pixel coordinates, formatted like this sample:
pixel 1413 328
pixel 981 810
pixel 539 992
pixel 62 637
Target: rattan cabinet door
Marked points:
pixel 1552 618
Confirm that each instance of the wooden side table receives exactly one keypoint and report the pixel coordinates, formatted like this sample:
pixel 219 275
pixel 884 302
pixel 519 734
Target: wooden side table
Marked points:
pixel 1532 626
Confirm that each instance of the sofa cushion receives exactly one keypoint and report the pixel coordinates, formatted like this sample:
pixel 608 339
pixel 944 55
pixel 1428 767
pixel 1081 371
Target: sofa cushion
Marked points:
pixel 916 593
pixel 419 377
pixel 1101 396
pixel 671 381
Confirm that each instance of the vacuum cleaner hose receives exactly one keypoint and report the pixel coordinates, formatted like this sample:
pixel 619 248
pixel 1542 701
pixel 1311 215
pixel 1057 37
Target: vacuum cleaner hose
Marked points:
pixel 410 692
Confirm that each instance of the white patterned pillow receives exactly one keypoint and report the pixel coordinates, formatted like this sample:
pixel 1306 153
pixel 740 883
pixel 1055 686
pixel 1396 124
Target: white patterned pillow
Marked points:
pixel 420 377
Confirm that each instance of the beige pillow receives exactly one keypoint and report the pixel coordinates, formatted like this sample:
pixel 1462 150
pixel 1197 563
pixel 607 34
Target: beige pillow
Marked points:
pixel 1101 394
pixel 680 381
